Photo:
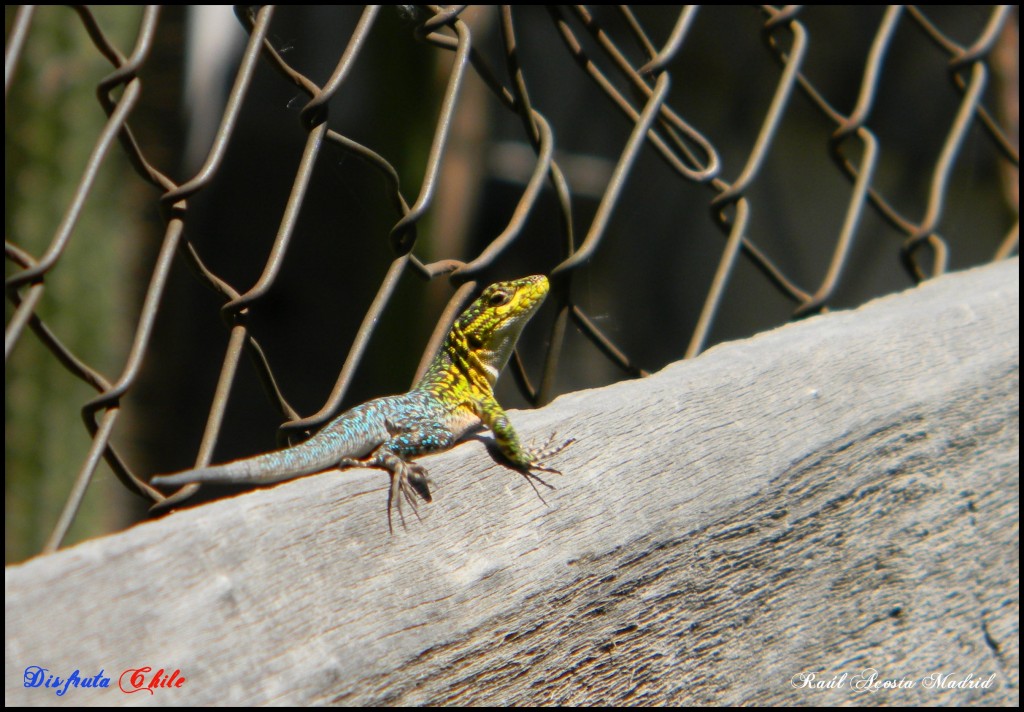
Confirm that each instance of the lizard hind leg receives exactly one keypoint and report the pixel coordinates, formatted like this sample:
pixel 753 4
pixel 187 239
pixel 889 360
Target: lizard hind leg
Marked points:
pixel 407 481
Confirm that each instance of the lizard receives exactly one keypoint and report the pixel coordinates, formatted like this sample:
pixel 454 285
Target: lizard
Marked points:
pixel 454 397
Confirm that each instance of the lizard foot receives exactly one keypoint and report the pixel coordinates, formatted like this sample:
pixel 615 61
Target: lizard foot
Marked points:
pixel 407 481
pixel 536 462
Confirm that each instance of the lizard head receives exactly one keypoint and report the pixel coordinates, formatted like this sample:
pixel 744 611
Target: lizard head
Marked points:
pixel 492 324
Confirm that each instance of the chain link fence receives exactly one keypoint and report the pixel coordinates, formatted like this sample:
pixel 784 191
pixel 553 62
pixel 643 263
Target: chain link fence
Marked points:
pixel 338 180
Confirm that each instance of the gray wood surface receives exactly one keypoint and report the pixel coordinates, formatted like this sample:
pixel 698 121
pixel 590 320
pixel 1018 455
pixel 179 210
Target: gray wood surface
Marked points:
pixel 836 496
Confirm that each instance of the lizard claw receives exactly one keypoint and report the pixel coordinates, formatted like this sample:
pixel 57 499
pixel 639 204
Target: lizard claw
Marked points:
pixel 538 456
pixel 407 480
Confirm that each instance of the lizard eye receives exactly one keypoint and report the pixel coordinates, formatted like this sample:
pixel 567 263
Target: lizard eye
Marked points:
pixel 498 299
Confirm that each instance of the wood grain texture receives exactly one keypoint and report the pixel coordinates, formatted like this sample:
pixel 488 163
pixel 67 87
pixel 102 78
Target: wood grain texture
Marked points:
pixel 834 496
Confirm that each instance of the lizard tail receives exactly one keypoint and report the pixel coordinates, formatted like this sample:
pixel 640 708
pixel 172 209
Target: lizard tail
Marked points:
pixel 271 467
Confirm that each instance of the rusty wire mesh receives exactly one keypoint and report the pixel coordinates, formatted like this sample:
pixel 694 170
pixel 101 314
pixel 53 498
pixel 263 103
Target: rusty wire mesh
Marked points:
pixel 683 176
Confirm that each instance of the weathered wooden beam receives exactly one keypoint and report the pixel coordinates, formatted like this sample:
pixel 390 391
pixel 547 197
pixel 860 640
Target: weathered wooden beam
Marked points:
pixel 836 496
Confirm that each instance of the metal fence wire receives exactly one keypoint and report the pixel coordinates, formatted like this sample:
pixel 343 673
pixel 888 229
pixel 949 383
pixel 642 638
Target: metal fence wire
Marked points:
pixel 683 176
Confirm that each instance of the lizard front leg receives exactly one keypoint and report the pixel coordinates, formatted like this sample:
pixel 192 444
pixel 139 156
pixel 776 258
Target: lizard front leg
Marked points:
pixel 522 458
